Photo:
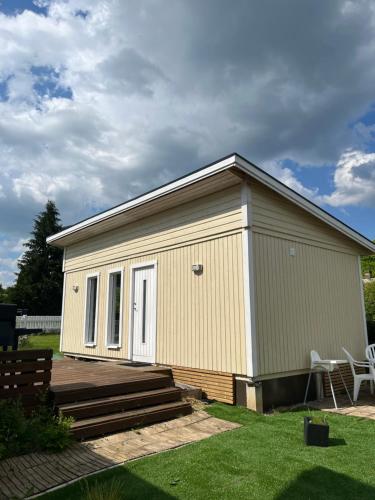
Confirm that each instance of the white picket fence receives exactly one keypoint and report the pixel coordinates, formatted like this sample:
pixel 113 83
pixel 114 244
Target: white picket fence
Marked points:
pixel 47 323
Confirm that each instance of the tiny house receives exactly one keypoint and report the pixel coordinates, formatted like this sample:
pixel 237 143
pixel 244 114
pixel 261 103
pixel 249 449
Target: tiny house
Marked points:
pixel 225 275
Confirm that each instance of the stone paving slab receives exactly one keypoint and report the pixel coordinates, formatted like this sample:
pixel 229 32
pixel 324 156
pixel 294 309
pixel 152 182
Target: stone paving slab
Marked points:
pixel 30 475
pixel 364 407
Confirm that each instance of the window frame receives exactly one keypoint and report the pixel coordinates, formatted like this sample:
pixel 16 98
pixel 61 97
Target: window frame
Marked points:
pixel 108 319
pixel 86 342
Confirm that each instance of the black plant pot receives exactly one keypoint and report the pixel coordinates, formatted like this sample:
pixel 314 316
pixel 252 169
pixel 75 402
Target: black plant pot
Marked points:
pixel 315 434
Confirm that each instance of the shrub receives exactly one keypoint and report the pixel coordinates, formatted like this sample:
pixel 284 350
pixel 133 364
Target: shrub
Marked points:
pixel 55 435
pixel 370 300
pixel 21 433
pixel 13 428
pixel 23 341
pixel 319 420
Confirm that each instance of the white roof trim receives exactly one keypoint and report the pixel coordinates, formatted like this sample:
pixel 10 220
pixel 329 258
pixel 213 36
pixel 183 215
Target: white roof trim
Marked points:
pixel 157 193
pixel 224 164
pixel 261 176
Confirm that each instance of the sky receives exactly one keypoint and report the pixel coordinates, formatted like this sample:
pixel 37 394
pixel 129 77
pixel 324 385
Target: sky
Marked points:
pixel 103 100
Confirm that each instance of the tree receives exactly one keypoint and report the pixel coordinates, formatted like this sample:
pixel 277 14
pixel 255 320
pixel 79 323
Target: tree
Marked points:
pixel 368 265
pixel 369 293
pixel 3 294
pixel 40 279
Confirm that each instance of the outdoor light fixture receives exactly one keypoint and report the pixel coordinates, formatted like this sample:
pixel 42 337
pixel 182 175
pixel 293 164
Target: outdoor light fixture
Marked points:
pixel 197 268
pixel 75 288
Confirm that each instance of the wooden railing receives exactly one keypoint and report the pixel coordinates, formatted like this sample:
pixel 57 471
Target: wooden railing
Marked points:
pixel 25 374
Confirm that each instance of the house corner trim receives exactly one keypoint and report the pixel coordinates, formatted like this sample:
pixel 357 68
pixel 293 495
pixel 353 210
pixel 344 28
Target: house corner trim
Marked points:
pixel 361 291
pixel 62 314
pixel 249 282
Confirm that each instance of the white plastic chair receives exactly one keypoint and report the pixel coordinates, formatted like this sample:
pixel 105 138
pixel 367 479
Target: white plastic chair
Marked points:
pixel 359 378
pixel 324 365
pixel 370 355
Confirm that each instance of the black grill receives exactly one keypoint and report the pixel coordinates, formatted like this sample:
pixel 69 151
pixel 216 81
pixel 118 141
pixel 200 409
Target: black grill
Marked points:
pixel 8 334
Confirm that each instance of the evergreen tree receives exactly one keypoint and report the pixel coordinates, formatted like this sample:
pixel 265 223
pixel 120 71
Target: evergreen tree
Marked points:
pixel 3 294
pixel 40 279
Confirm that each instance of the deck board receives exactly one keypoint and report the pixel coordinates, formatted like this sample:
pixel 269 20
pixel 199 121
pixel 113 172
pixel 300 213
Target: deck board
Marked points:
pixel 71 374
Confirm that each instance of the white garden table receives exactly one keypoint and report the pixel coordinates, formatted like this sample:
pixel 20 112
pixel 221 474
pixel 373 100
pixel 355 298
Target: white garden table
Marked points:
pixel 328 366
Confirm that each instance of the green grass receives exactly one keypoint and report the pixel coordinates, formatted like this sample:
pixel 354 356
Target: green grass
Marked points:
pixel 45 341
pixel 264 459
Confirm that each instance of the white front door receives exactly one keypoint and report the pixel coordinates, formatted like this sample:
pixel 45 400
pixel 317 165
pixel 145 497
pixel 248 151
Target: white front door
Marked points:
pixel 144 314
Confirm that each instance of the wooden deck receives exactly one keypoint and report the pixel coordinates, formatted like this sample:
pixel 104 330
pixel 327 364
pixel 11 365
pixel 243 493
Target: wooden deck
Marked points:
pixel 72 375
pixel 105 397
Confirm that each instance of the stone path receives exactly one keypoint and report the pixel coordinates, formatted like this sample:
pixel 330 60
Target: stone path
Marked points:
pixel 29 475
pixel 364 407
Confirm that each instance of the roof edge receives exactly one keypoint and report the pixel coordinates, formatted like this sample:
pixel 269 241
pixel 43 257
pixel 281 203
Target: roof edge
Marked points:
pixel 257 173
pixel 190 178
pixel 234 159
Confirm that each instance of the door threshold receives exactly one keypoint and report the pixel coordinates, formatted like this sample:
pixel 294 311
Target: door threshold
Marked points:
pixel 134 364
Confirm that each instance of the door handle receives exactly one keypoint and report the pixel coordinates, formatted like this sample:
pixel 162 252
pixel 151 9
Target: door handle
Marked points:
pixel 134 306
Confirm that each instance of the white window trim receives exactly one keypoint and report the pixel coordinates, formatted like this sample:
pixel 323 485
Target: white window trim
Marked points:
pixel 108 298
pixel 91 344
pixel 133 267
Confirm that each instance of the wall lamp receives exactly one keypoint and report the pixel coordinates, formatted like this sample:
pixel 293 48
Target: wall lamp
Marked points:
pixel 197 268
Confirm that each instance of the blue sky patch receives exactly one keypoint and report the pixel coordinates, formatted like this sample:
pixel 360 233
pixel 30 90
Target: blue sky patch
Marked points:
pixel 12 8
pixel 368 118
pixel 48 83
pixel 4 90
pixel 313 177
pixel 364 128
pixel 82 13
pixel 357 217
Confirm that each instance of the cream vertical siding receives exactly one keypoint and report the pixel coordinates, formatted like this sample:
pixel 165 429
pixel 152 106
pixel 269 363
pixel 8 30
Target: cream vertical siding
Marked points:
pixel 308 301
pixel 200 318
pixel 276 216
pixel 207 217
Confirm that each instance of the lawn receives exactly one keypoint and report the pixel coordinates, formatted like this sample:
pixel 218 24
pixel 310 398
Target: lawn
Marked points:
pixel 45 341
pixel 264 459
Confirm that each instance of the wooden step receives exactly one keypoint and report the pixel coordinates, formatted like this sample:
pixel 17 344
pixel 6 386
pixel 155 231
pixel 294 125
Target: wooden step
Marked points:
pixel 166 370
pixel 115 422
pixel 82 391
pixel 115 404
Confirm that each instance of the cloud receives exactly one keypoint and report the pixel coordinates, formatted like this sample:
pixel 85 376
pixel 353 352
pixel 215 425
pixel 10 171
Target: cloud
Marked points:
pixel 100 101
pixel 354 181
pixel 10 251
pixel 288 177
pixel 127 72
